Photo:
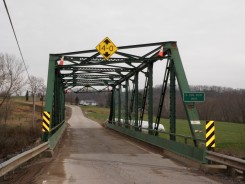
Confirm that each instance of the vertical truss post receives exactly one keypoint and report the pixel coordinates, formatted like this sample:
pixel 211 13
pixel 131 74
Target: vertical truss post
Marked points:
pixel 58 104
pixel 114 104
pixel 163 92
pixel 74 77
pixel 63 102
pixel 136 106
pixel 56 101
pixel 55 110
pixel 172 102
pixel 150 98
pixel 50 93
pixel 126 103
pixel 131 103
pixel 119 103
pixel 191 111
pixel 142 110
pixel 112 107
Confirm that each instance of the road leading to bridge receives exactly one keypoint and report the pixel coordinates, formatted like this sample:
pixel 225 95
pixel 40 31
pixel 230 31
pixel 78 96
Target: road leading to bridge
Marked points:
pixel 91 154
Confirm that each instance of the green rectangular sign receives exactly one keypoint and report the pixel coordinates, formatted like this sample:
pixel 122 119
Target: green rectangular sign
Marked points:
pixel 194 97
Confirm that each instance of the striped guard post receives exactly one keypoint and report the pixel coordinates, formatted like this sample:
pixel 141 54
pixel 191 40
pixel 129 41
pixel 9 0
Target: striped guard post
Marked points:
pixel 210 136
pixel 46 122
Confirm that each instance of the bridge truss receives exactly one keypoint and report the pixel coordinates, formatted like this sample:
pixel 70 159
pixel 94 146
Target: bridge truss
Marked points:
pixel 86 71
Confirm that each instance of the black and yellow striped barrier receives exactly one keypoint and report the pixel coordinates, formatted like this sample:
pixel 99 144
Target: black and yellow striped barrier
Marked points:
pixel 46 122
pixel 210 136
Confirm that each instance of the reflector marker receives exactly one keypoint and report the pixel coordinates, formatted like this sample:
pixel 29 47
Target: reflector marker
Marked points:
pixel 210 135
pixel 46 122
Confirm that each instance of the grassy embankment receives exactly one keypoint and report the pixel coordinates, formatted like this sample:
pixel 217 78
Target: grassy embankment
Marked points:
pixel 230 137
pixel 17 133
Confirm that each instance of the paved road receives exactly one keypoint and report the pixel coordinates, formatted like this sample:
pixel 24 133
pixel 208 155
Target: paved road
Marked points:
pixel 91 154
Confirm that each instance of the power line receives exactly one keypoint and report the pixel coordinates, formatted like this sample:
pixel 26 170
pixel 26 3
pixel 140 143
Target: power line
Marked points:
pixel 16 40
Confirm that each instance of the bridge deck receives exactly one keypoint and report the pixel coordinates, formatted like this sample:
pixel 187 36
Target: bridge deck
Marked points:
pixel 91 154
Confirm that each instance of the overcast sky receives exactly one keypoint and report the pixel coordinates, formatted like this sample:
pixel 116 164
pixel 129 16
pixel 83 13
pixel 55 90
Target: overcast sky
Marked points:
pixel 210 34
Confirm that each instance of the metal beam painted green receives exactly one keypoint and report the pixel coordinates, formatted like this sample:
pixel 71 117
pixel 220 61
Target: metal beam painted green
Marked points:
pixel 191 112
pixel 172 101
pixel 50 92
pixel 107 73
pixel 162 96
pixel 111 119
pixel 144 98
pixel 136 100
pixel 126 103
pixel 150 97
pixel 119 103
pixel 188 151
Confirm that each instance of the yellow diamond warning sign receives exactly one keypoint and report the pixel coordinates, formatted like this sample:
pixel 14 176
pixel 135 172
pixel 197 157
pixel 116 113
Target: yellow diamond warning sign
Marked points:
pixel 106 48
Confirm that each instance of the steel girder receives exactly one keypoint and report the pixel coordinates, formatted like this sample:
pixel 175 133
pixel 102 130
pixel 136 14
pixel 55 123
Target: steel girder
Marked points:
pixel 85 69
pixel 122 67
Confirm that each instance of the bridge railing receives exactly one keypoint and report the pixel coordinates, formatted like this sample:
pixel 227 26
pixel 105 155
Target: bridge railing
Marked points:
pixel 59 130
pixel 184 137
pixel 186 150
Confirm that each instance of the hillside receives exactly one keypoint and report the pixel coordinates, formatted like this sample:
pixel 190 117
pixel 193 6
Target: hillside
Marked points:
pixel 17 133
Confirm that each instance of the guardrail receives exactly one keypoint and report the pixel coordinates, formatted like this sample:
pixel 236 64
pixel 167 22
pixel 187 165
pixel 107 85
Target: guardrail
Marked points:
pixel 185 150
pixel 16 161
pixel 229 161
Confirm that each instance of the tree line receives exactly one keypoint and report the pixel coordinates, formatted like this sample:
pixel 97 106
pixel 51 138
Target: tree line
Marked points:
pixel 221 103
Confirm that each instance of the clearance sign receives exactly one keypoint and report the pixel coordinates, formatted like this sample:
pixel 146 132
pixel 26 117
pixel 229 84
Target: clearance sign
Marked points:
pixel 106 48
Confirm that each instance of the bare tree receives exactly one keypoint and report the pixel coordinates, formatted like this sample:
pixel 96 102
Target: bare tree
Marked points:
pixel 241 104
pixel 36 85
pixel 11 82
pixel 11 76
pixel 41 94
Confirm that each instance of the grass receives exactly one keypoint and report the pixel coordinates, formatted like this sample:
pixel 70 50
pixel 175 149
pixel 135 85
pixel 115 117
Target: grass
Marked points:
pixel 16 134
pixel 99 114
pixel 21 112
pixel 230 137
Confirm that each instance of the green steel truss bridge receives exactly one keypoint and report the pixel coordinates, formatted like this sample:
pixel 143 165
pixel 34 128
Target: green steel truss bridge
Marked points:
pixel 86 71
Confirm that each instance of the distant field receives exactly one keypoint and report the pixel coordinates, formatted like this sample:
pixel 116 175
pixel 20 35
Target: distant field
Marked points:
pixel 230 137
pixel 98 114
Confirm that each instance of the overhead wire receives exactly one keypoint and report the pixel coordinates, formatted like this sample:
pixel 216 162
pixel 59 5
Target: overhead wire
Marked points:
pixel 16 40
